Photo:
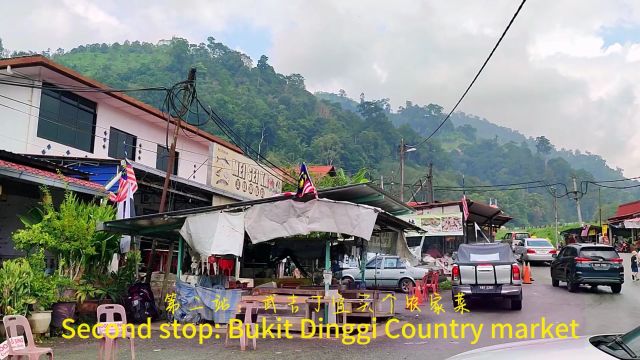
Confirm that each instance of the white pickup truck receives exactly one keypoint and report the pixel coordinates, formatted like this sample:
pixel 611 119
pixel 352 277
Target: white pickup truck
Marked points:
pixel 487 270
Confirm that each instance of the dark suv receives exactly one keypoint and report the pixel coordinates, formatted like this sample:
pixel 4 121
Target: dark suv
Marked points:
pixel 591 264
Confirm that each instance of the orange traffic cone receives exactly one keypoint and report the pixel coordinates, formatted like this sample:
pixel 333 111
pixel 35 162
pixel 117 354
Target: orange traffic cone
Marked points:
pixel 530 273
pixel 526 274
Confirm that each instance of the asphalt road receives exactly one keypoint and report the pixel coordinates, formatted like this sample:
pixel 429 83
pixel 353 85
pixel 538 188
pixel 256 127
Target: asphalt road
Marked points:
pixel 595 311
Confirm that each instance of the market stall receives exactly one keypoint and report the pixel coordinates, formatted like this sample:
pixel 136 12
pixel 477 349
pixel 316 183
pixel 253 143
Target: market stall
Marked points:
pixel 224 232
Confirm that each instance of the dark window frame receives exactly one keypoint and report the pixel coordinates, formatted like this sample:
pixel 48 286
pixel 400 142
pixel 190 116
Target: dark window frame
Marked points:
pixel 61 128
pixel 162 159
pixel 119 152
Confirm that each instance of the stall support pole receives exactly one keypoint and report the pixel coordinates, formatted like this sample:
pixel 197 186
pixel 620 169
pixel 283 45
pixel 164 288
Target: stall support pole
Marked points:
pixel 363 260
pixel 152 256
pixel 327 267
pixel 180 250
pixel 167 270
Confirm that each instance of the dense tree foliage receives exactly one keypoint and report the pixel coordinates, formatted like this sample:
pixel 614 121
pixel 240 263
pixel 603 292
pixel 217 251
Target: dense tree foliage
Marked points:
pixel 288 124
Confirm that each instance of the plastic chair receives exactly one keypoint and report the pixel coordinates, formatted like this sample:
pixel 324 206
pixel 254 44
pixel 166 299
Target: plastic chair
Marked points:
pixel 433 283
pixel 108 348
pixel 416 290
pixel 18 325
pixel 250 307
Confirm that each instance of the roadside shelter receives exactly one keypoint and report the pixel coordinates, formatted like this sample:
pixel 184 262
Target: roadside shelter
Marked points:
pixel 624 225
pixel 362 212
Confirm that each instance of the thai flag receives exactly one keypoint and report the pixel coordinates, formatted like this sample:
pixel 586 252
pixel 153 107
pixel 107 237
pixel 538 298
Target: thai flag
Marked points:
pixel 305 185
pixel 465 208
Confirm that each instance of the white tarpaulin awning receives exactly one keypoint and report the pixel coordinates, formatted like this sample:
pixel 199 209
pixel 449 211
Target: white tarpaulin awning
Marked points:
pixel 215 233
pixel 632 223
pixel 269 221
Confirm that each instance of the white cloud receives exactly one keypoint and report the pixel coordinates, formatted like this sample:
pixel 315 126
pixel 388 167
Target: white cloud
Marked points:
pixel 554 74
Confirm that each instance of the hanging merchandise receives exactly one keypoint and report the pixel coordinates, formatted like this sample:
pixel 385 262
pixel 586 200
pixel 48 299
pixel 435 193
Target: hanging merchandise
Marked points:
pixel 226 266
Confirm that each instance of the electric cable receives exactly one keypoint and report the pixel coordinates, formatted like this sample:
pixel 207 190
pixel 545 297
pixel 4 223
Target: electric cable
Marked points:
pixel 477 75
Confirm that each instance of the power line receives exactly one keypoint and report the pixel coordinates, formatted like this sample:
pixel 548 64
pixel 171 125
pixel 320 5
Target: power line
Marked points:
pixel 84 131
pixel 477 75
pixel 170 104
pixel 239 141
pixel 498 189
pixel 490 186
pixel 48 85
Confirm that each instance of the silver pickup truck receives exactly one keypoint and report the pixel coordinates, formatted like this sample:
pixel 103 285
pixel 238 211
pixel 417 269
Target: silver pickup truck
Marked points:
pixel 487 270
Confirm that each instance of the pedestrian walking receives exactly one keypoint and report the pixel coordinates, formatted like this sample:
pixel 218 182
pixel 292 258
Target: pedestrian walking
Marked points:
pixel 634 266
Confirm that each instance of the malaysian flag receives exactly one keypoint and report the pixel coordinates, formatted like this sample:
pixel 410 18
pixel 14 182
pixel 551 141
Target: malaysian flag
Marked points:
pixel 305 185
pixel 465 208
pixel 124 198
pixel 127 185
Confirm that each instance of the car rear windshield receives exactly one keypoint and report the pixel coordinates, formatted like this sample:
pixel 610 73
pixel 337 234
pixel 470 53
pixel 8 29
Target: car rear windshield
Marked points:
pixel 599 253
pixel 538 243
pixel 521 236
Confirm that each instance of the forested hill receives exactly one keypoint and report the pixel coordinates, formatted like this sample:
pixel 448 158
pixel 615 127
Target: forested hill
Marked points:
pixel 277 115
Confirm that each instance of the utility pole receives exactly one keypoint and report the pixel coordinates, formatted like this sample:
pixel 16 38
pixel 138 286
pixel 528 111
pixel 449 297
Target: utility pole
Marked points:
pixel 382 182
pixel 403 150
pixel 430 184
pixel 188 91
pixel 599 208
pixel 577 199
pixel 402 170
pixel 555 208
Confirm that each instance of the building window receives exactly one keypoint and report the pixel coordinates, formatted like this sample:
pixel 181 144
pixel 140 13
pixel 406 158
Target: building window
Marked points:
pixel 163 159
pixel 122 145
pixel 67 118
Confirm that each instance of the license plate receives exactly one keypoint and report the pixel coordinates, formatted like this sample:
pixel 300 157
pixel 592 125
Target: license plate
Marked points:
pixel 486 288
pixel 600 266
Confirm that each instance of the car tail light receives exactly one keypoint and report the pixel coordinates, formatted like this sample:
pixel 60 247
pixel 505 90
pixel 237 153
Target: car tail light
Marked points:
pixel 515 270
pixel 455 273
pixel 553 251
pixel 531 251
pixel 616 260
pixel 583 260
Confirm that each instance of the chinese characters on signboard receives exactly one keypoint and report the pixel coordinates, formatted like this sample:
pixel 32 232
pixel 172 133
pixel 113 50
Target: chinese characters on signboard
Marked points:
pixel 240 175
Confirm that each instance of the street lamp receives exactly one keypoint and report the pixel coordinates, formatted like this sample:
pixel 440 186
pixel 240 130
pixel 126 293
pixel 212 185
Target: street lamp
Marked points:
pixel 404 148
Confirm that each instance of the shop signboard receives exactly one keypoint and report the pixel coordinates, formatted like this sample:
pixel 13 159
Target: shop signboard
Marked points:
pixel 439 224
pixel 239 175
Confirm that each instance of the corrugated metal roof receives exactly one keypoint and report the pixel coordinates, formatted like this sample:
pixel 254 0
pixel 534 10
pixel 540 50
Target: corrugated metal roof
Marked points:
pixel 628 210
pixel 47 176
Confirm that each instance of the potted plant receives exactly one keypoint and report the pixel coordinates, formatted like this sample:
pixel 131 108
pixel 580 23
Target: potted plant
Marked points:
pixel 15 292
pixel 65 306
pixel 44 291
pixel 88 298
pixel 69 233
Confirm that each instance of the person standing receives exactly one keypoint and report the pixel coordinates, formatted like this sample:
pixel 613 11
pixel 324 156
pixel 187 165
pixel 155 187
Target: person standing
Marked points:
pixel 634 266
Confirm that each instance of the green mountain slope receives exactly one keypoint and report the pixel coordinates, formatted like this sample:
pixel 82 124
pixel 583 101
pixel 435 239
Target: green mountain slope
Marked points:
pixel 280 118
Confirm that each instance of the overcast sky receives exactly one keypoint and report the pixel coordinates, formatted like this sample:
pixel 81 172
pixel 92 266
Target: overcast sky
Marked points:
pixel 567 69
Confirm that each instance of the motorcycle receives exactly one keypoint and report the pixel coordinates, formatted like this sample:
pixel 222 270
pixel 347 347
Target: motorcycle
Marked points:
pixel 623 247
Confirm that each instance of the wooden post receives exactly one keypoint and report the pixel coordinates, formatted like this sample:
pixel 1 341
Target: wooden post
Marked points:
pixel 167 271
pixel 152 255
pixel 180 257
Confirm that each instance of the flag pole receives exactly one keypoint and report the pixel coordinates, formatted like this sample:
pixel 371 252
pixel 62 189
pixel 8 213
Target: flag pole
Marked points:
pixel 464 219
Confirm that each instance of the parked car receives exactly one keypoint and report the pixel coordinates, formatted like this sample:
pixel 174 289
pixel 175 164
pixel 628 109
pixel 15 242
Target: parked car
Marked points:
pixel 587 263
pixel 515 235
pixel 487 270
pixel 534 250
pixel 385 271
pixel 613 346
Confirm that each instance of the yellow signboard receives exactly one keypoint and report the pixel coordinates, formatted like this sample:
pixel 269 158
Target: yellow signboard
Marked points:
pixel 239 175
